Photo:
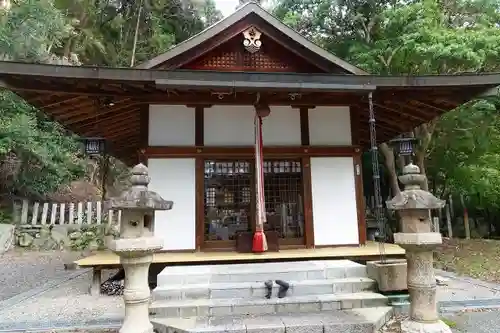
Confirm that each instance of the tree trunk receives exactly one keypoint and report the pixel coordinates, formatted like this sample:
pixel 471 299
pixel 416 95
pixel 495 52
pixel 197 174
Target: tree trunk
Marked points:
pixel 390 166
pixel 424 134
pixel 136 34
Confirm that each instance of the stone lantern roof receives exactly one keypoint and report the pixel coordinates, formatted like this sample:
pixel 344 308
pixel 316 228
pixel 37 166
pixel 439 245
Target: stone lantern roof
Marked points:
pixel 138 197
pixel 413 197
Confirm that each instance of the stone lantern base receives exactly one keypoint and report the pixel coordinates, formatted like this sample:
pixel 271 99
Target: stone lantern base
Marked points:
pixel 410 326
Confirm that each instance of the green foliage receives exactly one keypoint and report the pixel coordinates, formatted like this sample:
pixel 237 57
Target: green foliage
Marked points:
pixel 465 159
pixel 37 157
pixel 105 30
pixel 5 216
pixel 421 38
pixel 31 29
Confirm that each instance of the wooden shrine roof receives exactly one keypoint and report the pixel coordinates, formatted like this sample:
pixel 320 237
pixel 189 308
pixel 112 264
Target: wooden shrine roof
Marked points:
pixel 275 36
pixel 107 102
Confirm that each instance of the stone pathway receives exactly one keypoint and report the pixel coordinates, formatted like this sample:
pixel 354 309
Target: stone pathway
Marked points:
pixel 466 292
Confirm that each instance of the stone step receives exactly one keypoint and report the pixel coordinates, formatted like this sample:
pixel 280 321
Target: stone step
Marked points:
pixel 258 290
pixel 368 320
pixel 259 272
pixel 254 306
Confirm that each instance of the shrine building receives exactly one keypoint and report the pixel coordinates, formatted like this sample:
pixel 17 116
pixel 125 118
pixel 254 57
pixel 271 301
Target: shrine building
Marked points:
pixel 190 115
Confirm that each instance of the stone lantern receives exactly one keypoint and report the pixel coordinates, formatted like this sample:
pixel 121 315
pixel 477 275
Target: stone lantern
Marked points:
pixel 136 246
pixel 419 241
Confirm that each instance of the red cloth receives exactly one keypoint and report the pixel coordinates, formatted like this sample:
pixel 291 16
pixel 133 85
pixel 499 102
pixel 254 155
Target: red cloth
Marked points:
pixel 259 241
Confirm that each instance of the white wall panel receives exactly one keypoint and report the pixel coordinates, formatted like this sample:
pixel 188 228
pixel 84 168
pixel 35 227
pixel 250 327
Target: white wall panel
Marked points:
pixel 174 179
pixel 335 217
pixel 171 125
pixel 228 126
pixel 330 126
pixel 282 127
pixel 234 126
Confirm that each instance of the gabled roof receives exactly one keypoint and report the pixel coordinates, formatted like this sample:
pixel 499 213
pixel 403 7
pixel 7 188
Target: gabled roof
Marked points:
pixel 241 13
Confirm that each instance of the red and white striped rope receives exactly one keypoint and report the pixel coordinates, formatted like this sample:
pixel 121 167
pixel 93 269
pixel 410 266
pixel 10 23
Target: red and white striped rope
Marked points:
pixel 259 175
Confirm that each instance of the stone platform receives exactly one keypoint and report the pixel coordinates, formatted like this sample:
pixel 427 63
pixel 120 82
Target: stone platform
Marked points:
pixel 367 320
pixel 324 296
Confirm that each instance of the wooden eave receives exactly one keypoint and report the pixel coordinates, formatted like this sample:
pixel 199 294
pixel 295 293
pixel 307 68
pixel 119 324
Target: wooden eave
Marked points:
pixel 250 14
pixel 74 96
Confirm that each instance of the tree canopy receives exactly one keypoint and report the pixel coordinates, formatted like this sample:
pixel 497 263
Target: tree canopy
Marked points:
pixel 458 152
pixel 37 156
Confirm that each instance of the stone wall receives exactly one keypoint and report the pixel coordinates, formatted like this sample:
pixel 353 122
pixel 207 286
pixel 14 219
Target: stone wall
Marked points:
pixel 6 237
pixel 58 237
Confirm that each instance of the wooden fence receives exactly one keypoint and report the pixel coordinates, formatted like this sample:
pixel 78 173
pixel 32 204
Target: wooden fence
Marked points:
pixel 36 213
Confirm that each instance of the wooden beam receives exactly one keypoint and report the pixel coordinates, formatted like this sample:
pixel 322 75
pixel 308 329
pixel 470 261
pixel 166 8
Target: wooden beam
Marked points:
pixel 86 103
pixel 68 89
pixel 125 146
pixel 404 109
pixel 109 117
pixel 199 126
pixel 397 113
pixel 203 98
pixel 200 202
pixel 393 118
pixel 143 133
pixel 58 101
pixel 89 112
pixel 304 126
pixel 307 201
pixel 116 134
pixel 83 103
pixel 25 71
pixel 231 152
pixel 130 119
pixel 360 198
pixel 381 125
pixel 131 123
pixel 427 105
pixel 354 120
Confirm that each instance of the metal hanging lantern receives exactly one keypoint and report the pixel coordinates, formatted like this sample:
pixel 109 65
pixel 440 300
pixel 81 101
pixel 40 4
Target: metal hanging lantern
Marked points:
pixel 377 191
pixel 404 146
pixel 94 146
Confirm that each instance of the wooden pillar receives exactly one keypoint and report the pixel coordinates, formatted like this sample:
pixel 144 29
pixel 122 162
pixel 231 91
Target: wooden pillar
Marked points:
pixel 304 125
pixel 199 138
pixel 143 134
pixel 200 202
pixel 360 198
pixel 306 178
pixel 199 126
pixel 307 197
pixel 358 175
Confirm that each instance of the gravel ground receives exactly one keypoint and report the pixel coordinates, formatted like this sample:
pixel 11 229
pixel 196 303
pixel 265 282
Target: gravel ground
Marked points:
pixel 485 321
pixel 79 331
pixel 67 305
pixel 476 322
pixel 21 270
